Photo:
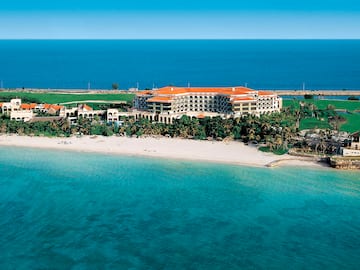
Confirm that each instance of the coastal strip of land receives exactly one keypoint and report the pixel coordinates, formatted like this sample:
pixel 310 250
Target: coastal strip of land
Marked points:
pixel 281 92
pixel 231 152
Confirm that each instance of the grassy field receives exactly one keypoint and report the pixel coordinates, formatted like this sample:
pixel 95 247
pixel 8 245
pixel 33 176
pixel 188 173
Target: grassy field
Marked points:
pixel 56 98
pixel 311 123
pixel 352 123
pixel 349 105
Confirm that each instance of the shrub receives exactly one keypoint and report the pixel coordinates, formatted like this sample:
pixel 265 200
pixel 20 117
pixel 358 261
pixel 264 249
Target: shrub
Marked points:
pixel 353 98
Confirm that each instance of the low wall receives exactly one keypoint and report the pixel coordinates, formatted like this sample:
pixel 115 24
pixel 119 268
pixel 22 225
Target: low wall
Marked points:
pixel 345 163
pixel 351 152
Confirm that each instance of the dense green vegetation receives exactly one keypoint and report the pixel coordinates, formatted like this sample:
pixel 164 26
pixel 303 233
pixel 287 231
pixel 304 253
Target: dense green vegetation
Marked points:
pixel 60 128
pixel 266 149
pixel 308 96
pixel 115 86
pixel 102 106
pixel 56 98
pixel 276 132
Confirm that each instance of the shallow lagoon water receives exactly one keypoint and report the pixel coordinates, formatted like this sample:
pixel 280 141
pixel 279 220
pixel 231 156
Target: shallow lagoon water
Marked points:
pixel 68 210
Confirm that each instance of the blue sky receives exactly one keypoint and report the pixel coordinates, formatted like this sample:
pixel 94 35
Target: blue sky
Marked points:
pixel 138 19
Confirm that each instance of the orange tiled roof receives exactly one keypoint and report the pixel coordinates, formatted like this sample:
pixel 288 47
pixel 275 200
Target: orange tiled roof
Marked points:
pixel 160 99
pixel 172 90
pixel 87 107
pixel 265 93
pixel 243 99
pixel 45 106
pixel 52 106
pixel 56 107
pixel 25 106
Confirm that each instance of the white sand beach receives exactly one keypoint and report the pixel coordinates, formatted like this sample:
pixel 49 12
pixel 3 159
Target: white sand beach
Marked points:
pixel 208 151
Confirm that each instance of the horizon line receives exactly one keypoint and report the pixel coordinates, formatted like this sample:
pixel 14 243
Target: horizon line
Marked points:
pixel 3 39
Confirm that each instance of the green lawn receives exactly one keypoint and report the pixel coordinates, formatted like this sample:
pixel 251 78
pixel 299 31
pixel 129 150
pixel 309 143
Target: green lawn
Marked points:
pixel 55 98
pixel 352 122
pixel 350 105
pixel 312 123
pixel 352 118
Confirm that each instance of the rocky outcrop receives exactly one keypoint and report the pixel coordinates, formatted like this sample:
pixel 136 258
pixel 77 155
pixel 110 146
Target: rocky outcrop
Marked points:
pixel 345 163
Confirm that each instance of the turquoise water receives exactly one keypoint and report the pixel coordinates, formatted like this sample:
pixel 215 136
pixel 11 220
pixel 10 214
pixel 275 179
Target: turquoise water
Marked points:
pixel 64 210
pixel 269 64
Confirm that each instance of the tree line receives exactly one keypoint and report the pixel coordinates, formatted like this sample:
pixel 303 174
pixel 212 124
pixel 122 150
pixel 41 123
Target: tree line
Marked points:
pixel 278 131
pixel 275 129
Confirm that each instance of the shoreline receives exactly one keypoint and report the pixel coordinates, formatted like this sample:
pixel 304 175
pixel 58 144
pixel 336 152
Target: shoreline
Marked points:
pixel 232 153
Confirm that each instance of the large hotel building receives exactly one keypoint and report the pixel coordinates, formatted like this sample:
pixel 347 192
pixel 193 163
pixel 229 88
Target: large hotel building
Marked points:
pixel 174 101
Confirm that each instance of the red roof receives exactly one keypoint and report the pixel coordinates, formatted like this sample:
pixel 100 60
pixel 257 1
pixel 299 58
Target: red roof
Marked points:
pixel 56 107
pixel 172 90
pixel 52 106
pixel 160 99
pixel 240 99
pixel 25 106
pixel 86 107
pixel 265 93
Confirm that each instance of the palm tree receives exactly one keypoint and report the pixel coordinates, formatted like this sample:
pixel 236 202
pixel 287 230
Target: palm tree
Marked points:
pixel 3 128
pixel 278 141
pixel 270 142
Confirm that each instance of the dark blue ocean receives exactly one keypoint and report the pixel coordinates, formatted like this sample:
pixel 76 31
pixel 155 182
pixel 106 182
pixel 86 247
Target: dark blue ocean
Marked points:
pixel 266 64
pixel 64 210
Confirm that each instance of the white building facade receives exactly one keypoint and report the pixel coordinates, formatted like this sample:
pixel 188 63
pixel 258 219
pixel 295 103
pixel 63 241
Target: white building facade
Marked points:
pixel 231 101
